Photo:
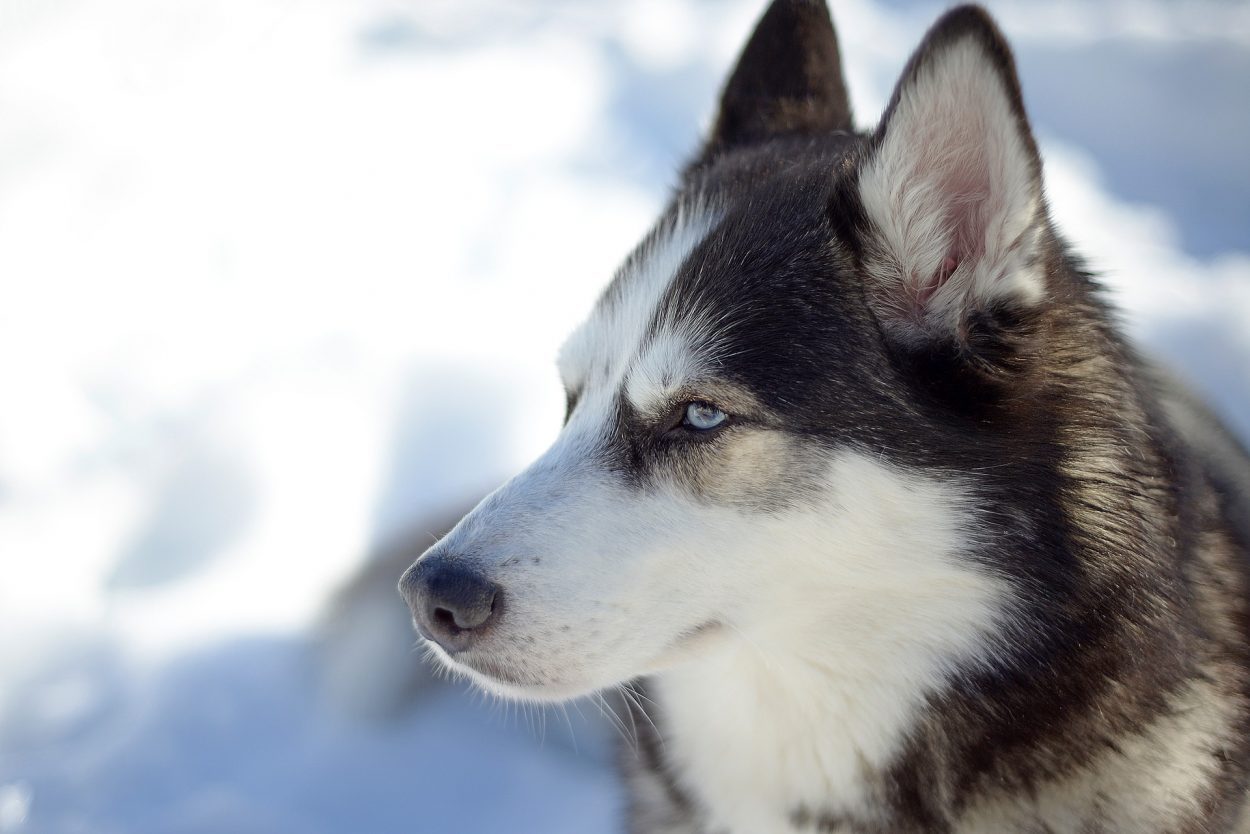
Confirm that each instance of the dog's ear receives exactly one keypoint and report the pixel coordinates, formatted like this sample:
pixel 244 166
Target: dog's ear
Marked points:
pixel 951 190
pixel 788 80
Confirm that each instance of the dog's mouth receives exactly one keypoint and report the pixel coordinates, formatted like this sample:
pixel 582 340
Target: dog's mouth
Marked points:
pixel 479 665
pixel 689 643
pixel 510 678
pixel 506 673
pixel 525 679
pixel 700 631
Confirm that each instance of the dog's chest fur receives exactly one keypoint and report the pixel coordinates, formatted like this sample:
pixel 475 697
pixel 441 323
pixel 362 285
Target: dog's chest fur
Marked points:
pixel 753 744
pixel 741 745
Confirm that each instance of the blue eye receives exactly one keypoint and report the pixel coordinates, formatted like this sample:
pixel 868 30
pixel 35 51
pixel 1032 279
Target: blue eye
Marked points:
pixel 703 416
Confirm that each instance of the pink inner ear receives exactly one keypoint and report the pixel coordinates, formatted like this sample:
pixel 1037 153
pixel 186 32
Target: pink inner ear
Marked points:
pixel 966 191
pixel 929 288
pixel 953 190
pixel 926 289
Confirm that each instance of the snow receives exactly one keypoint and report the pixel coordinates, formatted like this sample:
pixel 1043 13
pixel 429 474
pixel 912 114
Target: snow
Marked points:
pixel 277 280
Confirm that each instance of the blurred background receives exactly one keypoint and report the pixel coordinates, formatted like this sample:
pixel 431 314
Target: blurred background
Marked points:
pixel 281 284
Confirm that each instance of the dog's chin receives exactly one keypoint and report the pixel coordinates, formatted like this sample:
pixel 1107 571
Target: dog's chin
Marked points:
pixel 507 680
pixel 554 692
pixel 523 680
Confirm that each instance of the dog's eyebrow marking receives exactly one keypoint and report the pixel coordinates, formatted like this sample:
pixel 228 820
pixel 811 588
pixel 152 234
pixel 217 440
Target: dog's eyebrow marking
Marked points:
pixel 731 397
pixel 665 364
pixel 605 346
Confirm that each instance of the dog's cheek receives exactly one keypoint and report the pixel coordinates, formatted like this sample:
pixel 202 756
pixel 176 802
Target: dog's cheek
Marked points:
pixel 754 470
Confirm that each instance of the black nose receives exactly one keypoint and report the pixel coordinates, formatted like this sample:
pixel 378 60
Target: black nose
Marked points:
pixel 451 604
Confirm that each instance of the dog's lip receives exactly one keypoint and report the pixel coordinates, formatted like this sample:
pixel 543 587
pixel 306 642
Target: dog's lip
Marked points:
pixel 487 666
pixel 422 633
pixel 686 645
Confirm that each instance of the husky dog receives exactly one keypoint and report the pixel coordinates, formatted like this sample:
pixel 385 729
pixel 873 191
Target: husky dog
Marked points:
pixel 862 483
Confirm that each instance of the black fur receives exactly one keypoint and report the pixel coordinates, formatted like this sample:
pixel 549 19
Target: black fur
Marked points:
pixel 788 80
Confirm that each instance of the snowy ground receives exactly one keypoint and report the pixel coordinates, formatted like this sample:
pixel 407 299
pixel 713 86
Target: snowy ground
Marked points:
pixel 277 279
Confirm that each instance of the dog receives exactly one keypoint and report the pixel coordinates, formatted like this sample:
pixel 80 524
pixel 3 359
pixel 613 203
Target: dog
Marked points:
pixel 862 488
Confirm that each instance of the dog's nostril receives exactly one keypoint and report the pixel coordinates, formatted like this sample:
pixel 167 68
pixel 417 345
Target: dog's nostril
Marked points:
pixel 447 620
pixel 452 605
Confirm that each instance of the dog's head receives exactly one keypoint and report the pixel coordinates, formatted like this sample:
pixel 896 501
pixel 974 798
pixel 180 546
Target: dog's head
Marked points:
pixel 778 408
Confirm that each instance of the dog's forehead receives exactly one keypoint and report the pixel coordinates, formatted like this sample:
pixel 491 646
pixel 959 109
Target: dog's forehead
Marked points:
pixel 626 333
pixel 743 247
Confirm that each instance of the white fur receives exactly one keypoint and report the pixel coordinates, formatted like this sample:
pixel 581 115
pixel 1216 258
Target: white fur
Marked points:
pixel 952 148
pixel 856 610
pixel 666 363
